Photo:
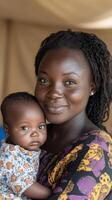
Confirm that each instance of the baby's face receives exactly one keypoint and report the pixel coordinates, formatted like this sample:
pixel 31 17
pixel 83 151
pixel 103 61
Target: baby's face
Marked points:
pixel 27 126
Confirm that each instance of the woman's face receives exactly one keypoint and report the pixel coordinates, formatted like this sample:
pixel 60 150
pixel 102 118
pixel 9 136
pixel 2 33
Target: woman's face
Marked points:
pixel 64 84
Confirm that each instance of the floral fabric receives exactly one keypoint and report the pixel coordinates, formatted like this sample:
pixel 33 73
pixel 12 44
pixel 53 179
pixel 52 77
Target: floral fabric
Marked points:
pixel 18 171
pixel 83 171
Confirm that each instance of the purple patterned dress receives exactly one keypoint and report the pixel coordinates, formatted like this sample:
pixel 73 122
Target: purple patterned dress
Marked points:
pixel 83 171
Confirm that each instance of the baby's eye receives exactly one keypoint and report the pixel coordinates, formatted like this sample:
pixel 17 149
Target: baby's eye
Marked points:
pixel 42 126
pixel 70 83
pixel 25 128
pixel 43 81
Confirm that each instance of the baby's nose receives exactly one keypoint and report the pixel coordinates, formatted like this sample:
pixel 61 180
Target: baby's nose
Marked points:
pixel 34 133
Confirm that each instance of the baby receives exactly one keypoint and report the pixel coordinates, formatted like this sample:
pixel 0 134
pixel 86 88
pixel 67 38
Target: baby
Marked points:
pixel 25 125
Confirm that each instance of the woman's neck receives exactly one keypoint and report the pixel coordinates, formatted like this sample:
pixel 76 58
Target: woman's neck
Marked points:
pixel 73 128
pixel 64 134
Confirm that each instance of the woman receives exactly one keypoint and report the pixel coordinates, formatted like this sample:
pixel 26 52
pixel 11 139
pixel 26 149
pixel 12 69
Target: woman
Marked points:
pixel 74 75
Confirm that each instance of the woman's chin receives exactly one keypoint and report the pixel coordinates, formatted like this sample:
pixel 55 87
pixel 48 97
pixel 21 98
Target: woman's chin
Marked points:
pixel 55 119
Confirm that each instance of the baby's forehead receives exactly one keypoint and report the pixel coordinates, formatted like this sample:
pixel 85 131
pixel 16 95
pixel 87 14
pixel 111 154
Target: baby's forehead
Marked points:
pixel 18 105
pixel 24 104
pixel 22 109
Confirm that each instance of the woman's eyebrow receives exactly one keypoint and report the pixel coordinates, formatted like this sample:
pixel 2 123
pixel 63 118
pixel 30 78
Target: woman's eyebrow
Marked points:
pixel 70 73
pixel 64 74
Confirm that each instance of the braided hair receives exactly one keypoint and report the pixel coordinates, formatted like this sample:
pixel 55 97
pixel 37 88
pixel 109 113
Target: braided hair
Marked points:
pixel 100 60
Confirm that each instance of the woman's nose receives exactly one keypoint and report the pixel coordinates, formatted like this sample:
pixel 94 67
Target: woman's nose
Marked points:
pixel 55 91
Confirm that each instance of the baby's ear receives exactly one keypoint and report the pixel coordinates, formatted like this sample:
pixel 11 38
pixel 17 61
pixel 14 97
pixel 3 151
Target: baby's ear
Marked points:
pixel 6 127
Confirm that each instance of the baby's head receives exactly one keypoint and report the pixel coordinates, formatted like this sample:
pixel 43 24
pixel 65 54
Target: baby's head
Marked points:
pixel 24 120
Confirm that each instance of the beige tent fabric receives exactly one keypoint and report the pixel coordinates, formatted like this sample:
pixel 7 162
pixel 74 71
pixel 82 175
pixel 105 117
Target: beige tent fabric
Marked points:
pixel 75 13
pixel 3 41
pixel 23 41
pixel 23 25
pixel 19 45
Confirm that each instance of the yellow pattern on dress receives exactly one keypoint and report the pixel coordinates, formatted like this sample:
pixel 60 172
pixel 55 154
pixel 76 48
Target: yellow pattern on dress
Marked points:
pixel 107 138
pixel 67 189
pixel 101 189
pixel 57 171
pixel 95 152
pixel 110 155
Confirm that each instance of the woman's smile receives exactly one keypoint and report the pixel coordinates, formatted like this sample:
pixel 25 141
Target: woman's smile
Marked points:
pixel 55 109
pixel 63 85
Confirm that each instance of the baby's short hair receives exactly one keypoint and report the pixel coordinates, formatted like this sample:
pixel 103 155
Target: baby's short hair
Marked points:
pixel 16 97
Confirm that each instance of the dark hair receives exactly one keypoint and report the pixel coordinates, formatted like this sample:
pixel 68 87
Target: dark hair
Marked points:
pixel 15 97
pixel 99 58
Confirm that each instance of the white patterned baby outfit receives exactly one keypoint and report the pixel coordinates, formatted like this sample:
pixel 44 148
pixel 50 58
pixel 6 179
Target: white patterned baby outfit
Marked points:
pixel 18 171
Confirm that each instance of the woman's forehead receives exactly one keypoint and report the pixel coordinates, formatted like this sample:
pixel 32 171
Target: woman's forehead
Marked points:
pixel 64 59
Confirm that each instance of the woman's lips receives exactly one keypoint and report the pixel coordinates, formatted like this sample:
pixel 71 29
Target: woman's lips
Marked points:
pixel 57 109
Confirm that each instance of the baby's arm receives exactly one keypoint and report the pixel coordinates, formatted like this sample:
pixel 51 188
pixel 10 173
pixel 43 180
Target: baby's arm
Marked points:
pixel 37 191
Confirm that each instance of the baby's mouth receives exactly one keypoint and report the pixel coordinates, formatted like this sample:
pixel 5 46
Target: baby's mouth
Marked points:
pixel 35 143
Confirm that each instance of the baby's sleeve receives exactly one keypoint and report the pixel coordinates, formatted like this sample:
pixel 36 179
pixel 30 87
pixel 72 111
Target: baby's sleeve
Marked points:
pixel 20 173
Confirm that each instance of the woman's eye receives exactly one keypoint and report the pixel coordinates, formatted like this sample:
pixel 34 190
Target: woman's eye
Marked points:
pixel 43 81
pixel 42 127
pixel 70 83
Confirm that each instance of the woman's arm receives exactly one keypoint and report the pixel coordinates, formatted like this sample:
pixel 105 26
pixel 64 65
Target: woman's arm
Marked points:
pixel 37 191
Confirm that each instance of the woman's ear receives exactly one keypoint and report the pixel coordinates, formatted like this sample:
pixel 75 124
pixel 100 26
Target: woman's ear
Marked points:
pixel 92 89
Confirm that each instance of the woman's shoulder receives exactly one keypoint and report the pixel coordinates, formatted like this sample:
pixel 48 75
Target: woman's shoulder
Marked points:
pixel 104 136
pixel 97 136
pixel 99 145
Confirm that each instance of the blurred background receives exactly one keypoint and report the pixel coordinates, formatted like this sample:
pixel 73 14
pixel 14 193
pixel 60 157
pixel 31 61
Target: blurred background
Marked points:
pixel 25 23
